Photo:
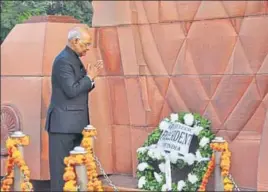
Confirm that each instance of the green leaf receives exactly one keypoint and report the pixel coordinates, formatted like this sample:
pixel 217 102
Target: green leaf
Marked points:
pixel 16 12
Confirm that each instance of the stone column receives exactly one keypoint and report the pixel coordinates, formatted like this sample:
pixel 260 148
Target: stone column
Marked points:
pixel 80 170
pixel 18 175
pixel 218 183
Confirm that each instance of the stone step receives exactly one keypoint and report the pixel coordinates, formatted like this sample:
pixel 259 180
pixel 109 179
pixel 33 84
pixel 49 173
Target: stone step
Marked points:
pixel 122 183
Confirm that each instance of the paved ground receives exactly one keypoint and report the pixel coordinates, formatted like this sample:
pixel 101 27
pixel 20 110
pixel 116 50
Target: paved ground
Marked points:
pixel 125 181
pixel 118 180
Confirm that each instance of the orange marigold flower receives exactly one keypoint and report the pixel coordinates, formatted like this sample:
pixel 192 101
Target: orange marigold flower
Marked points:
pixel 8 181
pixel 86 142
pixel 5 188
pixel 69 160
pixel 80 159
pixel 224 173
pixel 69 168
pixel 25 140
pixel 26 186
pixel 90 188
pixel 69 175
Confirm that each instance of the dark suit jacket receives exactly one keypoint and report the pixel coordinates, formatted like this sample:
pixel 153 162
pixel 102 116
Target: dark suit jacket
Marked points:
pixel 68 110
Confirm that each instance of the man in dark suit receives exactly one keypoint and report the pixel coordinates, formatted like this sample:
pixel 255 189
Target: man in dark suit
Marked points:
pixel 68 111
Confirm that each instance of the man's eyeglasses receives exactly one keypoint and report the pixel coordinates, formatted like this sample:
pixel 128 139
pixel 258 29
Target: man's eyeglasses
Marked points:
pixel 85 44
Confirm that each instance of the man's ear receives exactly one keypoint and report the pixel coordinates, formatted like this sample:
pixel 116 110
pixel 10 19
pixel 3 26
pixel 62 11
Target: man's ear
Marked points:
pixel 76 41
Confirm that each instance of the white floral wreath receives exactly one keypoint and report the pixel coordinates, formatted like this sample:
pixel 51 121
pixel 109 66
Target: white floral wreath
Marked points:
pixel 153 179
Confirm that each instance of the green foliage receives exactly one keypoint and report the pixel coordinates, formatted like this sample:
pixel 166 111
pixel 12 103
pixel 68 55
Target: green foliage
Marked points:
pixel 81 10
pixel 154 137
pixel 16 12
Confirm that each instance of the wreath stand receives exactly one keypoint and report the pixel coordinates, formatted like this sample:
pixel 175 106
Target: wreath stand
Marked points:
pixel 185 144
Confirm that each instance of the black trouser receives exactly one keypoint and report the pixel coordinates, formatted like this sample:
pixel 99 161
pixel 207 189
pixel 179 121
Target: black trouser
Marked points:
pixel 60 145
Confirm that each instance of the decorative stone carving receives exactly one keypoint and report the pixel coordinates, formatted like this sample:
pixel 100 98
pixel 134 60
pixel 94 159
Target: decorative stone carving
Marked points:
pixel 10 122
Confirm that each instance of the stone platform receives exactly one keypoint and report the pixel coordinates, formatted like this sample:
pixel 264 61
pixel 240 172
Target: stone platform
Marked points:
pixel 122 182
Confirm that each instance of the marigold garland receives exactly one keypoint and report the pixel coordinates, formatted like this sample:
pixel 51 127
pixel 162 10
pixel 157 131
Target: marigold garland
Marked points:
pixel 15 158
pixel 93 182
pixel 88 160
pixel 206 176
pixel 225 163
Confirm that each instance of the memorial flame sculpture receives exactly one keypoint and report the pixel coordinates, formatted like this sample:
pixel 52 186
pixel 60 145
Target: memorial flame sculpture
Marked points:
pixel 206 57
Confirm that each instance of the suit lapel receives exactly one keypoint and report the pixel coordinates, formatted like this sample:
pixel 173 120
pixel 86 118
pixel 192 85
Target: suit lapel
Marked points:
pixel 82 68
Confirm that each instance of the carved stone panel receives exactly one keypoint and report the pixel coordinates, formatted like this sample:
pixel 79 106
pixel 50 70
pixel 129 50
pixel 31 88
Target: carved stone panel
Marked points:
pixel 10 122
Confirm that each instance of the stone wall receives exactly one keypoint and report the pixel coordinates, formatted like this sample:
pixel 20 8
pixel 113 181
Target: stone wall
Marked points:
pixel 160 57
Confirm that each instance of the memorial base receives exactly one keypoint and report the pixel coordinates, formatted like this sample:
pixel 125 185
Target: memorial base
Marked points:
pixel 129 183
pixel 122 182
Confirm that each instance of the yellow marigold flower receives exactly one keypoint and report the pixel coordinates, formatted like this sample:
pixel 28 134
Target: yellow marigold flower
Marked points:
pixel 25 140
pixel 16 154
pixel 70 186
pixel 228 187
pixel 226 180
pixel 10 143
pixel 86 142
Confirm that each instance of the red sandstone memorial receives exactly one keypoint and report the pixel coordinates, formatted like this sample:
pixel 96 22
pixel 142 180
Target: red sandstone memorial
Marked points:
pixel 208 57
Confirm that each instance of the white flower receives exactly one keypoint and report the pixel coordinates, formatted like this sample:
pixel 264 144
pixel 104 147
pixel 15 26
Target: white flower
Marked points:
pixel 174 117
pixel 152 146
pixel 151 153
pixel 197 130
pixel 158 154
pixel 164 125
pixel 166 119
pixel 162 167
pixel 180 185
pixel 189 158
pixel 192 178
pixel 173 156
pixel 188 119
pixel 155 153
pixel 204 141
pixel 164 187
pixel 198 156
pixel 158 177
pixel 142 166
pixel 142 150
pixel 141 182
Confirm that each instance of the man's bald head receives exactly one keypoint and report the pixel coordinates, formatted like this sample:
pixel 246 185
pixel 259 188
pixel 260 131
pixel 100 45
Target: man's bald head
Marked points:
pixel 79 39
